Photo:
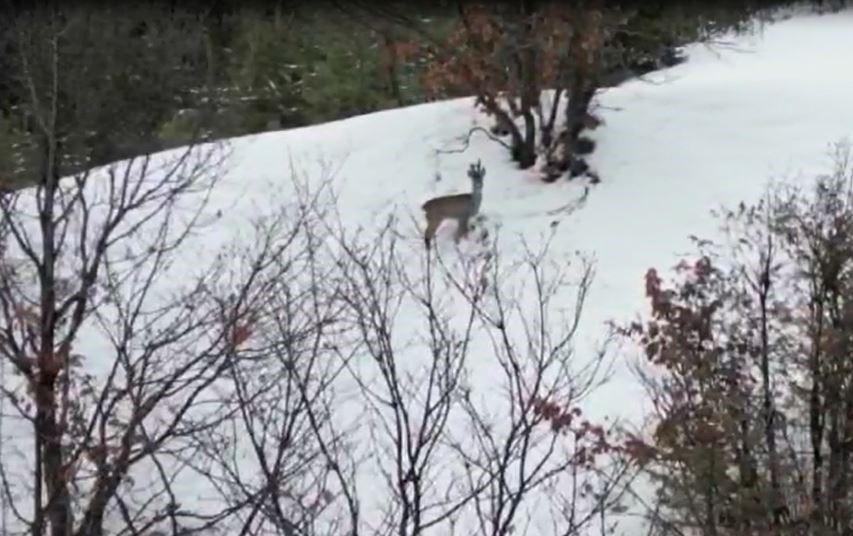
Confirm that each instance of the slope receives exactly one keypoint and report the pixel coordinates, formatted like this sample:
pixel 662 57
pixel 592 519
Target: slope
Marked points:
pixel 710 131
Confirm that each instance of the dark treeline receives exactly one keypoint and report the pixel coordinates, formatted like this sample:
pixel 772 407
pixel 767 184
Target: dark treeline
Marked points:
pixel 128 79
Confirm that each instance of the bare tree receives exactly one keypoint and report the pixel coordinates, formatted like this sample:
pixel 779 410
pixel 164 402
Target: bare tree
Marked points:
pixel 527 442
pixel 281 462
pixel 162 391
pixel 473 392
pixel 117 344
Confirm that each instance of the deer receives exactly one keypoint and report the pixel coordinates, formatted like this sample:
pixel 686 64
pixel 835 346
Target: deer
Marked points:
pixel 459 207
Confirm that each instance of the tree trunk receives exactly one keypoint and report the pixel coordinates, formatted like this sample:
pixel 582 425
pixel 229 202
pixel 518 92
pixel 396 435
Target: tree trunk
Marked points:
pixel 816 415
pixel 563 157
pixel 391 69
pixel 522 147
pixel 526 62
pixel 547 127
pixel 768 406
pixel 582 86
pixel 47 429
pixel 525 150
pixel 529 99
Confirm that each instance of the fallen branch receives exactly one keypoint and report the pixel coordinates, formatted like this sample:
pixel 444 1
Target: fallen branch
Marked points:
pixel 466 141
pixel 572 205
pixel 568 208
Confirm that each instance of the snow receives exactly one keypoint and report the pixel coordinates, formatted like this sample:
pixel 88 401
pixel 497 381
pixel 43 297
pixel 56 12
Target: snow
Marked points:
pixel 673 146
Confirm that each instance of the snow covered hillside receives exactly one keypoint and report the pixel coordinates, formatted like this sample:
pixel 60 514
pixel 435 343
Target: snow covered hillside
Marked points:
pixel 673 146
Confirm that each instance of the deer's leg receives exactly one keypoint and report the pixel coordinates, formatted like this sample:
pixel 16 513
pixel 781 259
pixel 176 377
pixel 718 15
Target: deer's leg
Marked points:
pixel 429 233
pixel 462 228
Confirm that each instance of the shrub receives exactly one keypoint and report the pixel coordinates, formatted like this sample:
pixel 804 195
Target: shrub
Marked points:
pixel 749 368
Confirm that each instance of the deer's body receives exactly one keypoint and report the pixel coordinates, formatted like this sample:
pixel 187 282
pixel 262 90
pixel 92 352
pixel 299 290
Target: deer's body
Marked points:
pixel 459 207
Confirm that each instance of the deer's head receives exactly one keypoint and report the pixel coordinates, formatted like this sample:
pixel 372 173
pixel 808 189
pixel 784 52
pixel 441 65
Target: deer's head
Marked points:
pixel 477 172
